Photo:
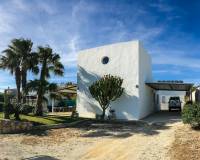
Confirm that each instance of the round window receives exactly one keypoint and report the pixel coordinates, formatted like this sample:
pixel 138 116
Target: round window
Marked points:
pixel 105 60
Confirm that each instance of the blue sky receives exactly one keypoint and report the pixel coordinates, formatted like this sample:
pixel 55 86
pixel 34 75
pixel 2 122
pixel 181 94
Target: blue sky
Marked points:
pixel 169 30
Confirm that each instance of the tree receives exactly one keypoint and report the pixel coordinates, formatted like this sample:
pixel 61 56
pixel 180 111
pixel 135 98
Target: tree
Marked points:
pixel 11 61
pixel 54 95
pixel 105 90
pixel 50 63
pixel 18 59
pixel 29 61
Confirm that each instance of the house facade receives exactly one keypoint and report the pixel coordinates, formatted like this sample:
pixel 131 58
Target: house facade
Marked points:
pixel 127 60
pixel 132 63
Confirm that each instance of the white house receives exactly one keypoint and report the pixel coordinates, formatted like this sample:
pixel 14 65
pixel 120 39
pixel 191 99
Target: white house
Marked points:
pixel 132 63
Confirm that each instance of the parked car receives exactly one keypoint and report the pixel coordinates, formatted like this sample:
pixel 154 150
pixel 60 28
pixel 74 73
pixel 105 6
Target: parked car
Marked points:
pixel 174 103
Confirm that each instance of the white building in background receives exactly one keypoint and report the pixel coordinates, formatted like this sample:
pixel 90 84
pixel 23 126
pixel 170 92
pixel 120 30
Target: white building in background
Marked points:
pixel 127 60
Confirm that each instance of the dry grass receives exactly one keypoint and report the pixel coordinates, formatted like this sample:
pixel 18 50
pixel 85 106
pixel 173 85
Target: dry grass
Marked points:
pixel 186 145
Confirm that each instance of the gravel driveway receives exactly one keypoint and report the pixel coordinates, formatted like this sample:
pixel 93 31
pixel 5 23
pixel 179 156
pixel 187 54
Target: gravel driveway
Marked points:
pixel 95 141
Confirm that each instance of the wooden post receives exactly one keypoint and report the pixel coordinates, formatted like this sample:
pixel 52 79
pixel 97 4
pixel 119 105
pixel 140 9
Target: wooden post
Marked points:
pixel 52 105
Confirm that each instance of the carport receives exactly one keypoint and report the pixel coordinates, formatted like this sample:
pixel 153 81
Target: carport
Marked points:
pixel 171 88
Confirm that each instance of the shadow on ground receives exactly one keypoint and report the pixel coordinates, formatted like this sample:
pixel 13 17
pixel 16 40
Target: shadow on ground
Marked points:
pixel 120 129
pixel 41 158
pixel 38 132
pixel 164 117
pixel 150 125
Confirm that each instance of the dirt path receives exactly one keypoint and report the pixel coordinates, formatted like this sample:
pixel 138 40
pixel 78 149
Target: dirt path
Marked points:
pixel 186 145
pixel 136 147
pixel 92 142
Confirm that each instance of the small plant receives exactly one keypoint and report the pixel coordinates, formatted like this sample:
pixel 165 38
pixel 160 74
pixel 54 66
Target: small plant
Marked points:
pixel 105 90
pixel 191 114
pixel 112 115
pixel 74 114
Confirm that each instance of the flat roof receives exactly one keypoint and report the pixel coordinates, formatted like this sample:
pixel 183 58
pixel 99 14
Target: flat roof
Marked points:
pixel 170 86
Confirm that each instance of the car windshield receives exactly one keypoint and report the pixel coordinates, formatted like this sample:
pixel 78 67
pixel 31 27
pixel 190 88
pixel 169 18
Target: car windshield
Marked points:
pixel 175 98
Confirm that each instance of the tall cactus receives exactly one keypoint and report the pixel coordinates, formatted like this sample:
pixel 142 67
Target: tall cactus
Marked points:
pixel 105 90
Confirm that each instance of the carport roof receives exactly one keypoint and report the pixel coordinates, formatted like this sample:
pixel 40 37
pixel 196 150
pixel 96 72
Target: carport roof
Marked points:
pixel 170 86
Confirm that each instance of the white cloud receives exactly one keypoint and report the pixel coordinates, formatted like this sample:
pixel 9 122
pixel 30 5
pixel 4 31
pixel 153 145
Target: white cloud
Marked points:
pixel 176 61
pixel 169 71
pixel 20 4
pixel 161 6
pixel 195 81
pixel 6 21
pixel 49 8
pixel 147 33
pixel 70 59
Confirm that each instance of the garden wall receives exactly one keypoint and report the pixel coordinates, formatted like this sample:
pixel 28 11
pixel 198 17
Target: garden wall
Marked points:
pixel 11 126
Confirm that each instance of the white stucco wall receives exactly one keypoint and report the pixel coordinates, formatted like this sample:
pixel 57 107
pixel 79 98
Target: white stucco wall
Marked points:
pixel 145 75
pixel 123 62
pixel 167 95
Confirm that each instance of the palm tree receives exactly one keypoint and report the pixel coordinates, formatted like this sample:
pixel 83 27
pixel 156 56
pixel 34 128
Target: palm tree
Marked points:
pixel 50 63
pixel 18 59
pixel 29 61
pixel 54 95
pixel 11 61
pixel 51 88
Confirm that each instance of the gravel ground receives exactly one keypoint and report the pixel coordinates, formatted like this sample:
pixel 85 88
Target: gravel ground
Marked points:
pixel 92 141
pixel 186 145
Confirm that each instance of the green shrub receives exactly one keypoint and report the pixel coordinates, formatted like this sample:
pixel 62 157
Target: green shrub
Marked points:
pixel 26 109
pixel 191 114
pixel 106 90
pixel 1 106
pixel 1 97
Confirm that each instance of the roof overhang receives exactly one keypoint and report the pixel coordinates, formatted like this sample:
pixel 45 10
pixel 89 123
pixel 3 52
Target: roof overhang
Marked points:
pixel 170 86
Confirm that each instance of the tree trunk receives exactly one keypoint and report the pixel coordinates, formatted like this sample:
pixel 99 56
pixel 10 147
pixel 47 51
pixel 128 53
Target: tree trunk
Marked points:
pixel 6 111
pixel 18 83
pixel 39 107
pixel 17 115
pixel 24 82
pixel 103 114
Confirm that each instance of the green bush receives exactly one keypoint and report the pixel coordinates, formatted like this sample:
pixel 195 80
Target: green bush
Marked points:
pixel 1 106
pixel 191 114
pixel 26 109
pixel 106 90
pixel 1 97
